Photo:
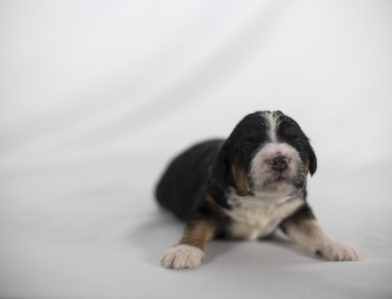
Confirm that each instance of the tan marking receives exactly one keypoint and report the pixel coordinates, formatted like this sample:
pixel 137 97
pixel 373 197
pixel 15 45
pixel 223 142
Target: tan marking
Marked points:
pixel 240 180
pixel 198 233
pixel 307 167
pixel 213 205
pixel 309 234
pixel 305 225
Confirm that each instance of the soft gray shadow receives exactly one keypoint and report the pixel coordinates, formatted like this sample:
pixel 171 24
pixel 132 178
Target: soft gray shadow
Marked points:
pixel 218 248
pixel 278 238
pixel 162 231
pixel 156 234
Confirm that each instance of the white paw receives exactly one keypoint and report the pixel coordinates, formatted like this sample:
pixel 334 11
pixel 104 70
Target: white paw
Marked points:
pixel 337 251
pixel 182 257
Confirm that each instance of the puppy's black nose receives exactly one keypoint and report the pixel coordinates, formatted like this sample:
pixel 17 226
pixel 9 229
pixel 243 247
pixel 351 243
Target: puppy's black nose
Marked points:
pixel 279 163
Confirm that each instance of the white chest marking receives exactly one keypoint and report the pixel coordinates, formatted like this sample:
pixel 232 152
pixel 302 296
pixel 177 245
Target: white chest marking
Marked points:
pixel 255 217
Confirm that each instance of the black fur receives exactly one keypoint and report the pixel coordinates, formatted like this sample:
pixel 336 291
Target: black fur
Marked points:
pixel 183 184
pixel 204 170
pixel 289 131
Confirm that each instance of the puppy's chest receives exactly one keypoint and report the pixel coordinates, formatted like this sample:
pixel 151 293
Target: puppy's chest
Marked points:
pixel 254 217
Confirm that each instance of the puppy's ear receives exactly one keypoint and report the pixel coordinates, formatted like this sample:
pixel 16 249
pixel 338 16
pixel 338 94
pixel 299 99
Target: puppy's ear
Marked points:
pixel 222 165
pixel 312 159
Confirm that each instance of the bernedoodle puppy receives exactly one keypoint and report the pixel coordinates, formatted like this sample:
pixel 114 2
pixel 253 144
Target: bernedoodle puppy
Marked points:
pixel 245 187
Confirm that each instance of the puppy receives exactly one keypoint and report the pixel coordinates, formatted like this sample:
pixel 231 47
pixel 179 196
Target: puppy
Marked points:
pixel 245 187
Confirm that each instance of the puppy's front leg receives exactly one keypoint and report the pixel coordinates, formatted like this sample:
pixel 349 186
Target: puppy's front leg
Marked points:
pixel 304 229
pixel 189 252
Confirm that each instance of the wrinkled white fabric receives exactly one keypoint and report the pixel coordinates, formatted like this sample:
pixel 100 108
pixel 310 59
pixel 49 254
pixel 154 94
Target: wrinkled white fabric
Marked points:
pixel 96 97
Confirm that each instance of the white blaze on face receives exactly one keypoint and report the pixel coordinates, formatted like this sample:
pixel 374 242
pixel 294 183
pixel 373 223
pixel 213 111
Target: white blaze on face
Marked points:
pixel 273 124
pixel 261 172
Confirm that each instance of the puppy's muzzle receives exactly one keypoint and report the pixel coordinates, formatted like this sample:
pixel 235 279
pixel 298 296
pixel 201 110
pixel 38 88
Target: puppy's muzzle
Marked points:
pixel 279 163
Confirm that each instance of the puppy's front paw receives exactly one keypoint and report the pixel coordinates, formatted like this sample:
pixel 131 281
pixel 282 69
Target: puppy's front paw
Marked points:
pixel 182 257
pixel 337 251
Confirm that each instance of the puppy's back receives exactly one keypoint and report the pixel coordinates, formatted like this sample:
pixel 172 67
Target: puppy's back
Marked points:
pixel 182 183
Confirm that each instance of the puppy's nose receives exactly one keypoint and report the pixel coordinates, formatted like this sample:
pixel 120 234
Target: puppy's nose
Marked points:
pixel 279 163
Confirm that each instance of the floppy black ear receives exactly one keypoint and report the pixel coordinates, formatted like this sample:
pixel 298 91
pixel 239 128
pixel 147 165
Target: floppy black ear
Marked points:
pixel 221 164
pixel 312 159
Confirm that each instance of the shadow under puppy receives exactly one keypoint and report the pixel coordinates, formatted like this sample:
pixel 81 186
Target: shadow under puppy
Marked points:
pixel 245 187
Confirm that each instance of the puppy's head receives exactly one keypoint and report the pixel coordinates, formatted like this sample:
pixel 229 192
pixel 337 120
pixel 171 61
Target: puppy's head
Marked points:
pixel 267 151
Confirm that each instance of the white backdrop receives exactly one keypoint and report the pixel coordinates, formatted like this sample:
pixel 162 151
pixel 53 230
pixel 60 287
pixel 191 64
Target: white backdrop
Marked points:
pixel 95 97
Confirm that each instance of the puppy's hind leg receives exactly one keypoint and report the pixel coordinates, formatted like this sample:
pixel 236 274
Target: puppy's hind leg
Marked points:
pixel 189 252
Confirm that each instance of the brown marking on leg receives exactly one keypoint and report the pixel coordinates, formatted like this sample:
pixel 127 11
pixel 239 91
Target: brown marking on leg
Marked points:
pixel 198 233
pixel 302 226
pixel 189 253
pixel 240 180
pixel 213 205
pixel 304 229
pixel 299 217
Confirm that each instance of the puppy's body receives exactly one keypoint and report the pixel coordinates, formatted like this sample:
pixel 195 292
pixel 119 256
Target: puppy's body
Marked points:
pixel 245 187
pixel 183 185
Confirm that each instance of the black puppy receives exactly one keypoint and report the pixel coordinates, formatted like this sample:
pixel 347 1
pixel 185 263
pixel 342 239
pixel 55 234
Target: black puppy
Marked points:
pixel 245 187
